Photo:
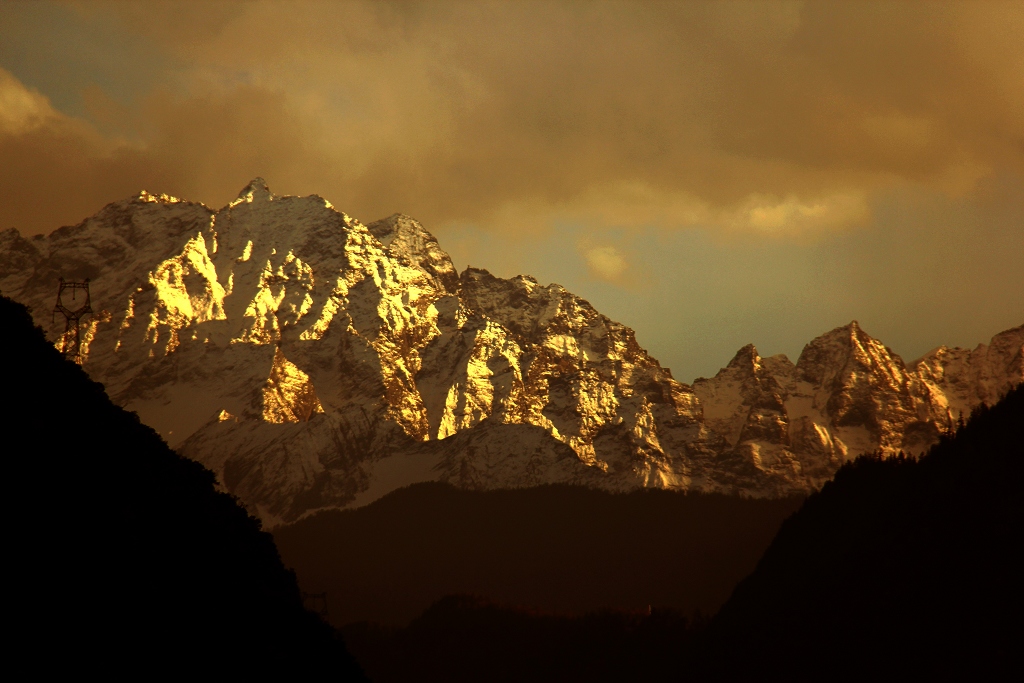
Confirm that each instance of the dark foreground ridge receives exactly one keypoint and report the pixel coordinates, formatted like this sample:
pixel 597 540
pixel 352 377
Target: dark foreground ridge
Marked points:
pixel 558 548
pixel 122 557
pixel 898 567
pixel 462 639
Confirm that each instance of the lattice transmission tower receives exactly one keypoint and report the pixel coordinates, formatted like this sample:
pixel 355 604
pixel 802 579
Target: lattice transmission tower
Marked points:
pixel 71 341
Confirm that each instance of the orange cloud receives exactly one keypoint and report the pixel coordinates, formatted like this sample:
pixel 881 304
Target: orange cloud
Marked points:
pixel 784 118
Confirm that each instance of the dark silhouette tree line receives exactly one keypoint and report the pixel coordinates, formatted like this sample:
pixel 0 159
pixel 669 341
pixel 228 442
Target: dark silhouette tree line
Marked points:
pixel 122 557
pixel 898 567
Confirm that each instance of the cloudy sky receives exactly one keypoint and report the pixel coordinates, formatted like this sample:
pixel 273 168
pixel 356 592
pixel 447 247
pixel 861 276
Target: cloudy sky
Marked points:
pixel 711 174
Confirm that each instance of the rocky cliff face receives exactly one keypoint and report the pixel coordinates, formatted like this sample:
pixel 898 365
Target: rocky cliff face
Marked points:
pixel 312 362
pixel 847 394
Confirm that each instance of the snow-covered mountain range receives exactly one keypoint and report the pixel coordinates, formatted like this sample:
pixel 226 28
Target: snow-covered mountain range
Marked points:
pixel 312 361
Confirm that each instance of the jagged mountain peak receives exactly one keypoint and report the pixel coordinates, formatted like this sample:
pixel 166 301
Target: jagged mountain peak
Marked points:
pixel 957 379
pixel 834 352
pixel 850 334
pixel 149 197
pixel 529 309
pixel 312 361
pixel 512 290
pixel 474 273
pixel 406 238
pixel 746 358
pixel 256 191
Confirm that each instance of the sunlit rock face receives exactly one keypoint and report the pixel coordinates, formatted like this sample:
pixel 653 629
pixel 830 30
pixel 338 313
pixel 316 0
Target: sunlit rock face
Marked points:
pixel 515 352
pixel 314 362
pixel 848 394
pixel 956 380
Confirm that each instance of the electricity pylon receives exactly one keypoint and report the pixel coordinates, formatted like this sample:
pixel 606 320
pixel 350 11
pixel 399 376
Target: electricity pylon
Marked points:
pixel 71 341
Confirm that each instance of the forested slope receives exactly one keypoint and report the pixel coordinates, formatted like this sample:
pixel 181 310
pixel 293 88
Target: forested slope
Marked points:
pixel 122 557
pixel 898 566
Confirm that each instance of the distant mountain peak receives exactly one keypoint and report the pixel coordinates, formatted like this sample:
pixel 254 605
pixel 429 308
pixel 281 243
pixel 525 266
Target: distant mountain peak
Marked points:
pixel 355 359
pixel 405 237
pixel 746 358
pixel 145 196
pixel 833 351
pixel 852 332
pixel 256 191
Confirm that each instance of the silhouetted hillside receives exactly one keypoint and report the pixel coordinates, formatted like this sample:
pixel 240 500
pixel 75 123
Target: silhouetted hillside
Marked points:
pixel 466 639
pixel 897 567
pixel 121 556
pixel 557 548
